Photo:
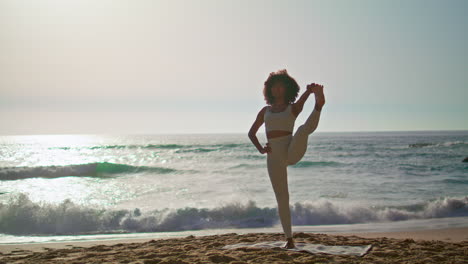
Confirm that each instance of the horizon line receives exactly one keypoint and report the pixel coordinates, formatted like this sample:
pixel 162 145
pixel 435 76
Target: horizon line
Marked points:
pixel 218 133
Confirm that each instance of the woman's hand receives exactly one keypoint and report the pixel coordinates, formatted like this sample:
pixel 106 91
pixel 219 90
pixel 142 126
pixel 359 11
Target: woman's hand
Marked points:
pixel 266 149
pixel 314 88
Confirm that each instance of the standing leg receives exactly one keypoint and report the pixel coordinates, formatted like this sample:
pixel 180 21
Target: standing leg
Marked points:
pixel 298 146
pixel 277 170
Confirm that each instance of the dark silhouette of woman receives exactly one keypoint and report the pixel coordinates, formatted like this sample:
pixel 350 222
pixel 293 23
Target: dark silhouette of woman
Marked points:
pixel 283 148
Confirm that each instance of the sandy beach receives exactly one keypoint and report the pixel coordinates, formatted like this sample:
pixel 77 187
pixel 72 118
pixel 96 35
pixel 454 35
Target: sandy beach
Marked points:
pixel 422 246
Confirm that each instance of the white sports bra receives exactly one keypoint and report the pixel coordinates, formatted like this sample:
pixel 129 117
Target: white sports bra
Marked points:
pixel 279 121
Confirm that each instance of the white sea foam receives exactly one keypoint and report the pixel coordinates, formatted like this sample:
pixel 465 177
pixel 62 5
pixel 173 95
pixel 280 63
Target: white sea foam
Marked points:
pixel 21 216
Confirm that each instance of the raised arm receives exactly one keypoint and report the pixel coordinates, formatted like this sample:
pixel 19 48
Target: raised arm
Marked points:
pixel 319 98
pixel 253 130
pixel 299 104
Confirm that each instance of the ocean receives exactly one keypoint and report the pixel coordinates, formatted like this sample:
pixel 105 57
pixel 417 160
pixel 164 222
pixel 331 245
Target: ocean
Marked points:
pixel 79 187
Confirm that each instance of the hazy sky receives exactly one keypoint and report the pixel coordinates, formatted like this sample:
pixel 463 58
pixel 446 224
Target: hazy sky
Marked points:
pixel 198 66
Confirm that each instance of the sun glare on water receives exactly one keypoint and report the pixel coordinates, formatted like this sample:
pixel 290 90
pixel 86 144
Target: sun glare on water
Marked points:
pixel 49 150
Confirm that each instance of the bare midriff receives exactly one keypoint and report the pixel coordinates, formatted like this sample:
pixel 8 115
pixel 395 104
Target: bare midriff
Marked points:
pixel 277 133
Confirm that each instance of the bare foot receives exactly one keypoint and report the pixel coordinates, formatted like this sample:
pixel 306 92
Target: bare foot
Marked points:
pixel 289 244
pixel 319 96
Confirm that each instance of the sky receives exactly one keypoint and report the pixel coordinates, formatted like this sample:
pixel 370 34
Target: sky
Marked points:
pixel 161 67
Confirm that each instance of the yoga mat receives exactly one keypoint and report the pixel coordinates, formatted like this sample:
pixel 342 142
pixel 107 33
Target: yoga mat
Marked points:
pixel 307 247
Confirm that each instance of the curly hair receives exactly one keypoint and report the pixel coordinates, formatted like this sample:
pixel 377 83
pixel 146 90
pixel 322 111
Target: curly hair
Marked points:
pixel 292 88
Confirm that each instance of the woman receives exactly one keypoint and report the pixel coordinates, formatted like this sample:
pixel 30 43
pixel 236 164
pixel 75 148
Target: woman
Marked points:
pixel 283 148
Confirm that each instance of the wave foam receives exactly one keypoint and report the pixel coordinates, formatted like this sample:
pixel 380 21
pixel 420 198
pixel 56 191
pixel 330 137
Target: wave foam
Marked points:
pixel 439 144
pixel 21 216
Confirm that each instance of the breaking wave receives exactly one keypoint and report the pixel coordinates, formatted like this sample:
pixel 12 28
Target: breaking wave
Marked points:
pixel 438 144
pixel 96 169
pixel 21 216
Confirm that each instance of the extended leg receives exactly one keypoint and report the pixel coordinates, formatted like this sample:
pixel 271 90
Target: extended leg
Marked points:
pixel 298 146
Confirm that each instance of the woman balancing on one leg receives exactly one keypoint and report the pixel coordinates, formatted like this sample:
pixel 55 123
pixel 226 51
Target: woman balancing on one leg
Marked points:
pixel 283 148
